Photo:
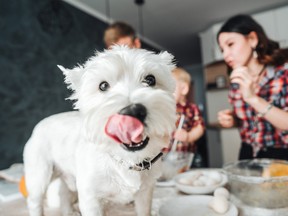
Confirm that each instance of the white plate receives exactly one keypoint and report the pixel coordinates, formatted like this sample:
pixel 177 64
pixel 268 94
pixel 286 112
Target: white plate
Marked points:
pixel 190 189
pixel 193 205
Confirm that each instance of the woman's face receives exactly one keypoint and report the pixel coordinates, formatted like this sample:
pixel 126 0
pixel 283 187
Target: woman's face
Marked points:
pixel 236 49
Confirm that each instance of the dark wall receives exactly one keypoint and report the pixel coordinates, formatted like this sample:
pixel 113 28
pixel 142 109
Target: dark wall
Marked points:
pixel 36 36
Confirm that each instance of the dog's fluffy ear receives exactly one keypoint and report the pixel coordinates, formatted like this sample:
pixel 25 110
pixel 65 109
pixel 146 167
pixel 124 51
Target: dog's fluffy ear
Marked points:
pixel 72 76
pixel 73 79
pixel 168 63
pixel 168 59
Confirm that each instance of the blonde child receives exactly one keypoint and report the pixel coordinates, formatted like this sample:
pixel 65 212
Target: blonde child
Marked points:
pixel 193 125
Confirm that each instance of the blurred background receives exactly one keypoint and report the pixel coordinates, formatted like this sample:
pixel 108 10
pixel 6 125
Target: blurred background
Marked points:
pixel 36 36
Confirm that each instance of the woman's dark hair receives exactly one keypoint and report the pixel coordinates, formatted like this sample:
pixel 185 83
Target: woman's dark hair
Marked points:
pixel 268 50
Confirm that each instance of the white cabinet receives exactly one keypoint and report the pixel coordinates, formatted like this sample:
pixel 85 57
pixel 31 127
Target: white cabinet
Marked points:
pixel 206 46
pixel 268 21
pixel 216 101
pixel 231 143
pixel 223 146
pixel 216 50
pixel 216 97
pixel 281 17
pixel 209 45
pixel 274 23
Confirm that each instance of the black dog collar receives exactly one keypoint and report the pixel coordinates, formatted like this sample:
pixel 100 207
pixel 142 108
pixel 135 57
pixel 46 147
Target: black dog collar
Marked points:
pixel 146 163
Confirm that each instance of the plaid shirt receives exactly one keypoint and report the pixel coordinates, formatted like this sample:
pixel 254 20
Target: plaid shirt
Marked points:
pixel 258 132
pixel 192 118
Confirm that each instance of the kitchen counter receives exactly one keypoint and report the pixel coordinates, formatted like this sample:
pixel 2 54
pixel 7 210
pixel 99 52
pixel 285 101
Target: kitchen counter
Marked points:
pixel 161 194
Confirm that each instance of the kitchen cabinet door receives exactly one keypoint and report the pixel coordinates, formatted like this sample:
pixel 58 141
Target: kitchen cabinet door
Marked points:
pixel 267 20
pixel 217 54
pixel 231 142
pixel 209 45
pixel 223 146
pixel 281 18
pixel 216 101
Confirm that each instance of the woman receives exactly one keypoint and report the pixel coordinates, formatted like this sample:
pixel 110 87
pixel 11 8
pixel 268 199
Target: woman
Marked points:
pixel 259 89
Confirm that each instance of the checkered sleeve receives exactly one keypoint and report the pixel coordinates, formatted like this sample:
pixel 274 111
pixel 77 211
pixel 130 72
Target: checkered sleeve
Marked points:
pixel 197 116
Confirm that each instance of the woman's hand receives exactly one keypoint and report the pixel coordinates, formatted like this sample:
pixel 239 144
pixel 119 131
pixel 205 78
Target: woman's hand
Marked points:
pixel 247 83
pixel 226 119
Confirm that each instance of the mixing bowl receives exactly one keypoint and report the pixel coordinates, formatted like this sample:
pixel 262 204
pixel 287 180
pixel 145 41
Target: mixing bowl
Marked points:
pixel 175 162
pixel 258 182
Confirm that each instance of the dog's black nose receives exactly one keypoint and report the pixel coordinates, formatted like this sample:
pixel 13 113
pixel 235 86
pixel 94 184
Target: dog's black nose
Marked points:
pixel 135 110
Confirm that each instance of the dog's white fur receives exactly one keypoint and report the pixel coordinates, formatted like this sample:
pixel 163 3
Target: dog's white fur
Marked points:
pixel 74 147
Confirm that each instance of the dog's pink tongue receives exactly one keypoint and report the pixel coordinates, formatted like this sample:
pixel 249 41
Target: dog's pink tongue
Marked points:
pixel 124 129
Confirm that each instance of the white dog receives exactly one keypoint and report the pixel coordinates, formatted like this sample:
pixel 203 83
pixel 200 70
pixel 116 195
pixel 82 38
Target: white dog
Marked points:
pixel 109 149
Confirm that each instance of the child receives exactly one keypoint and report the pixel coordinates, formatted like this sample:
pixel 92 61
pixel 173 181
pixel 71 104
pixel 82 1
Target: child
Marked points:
pixel 193 125
pixel 180 159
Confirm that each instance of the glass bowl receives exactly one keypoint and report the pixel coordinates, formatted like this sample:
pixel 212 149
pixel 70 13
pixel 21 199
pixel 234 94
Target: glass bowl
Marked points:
pixel 174 163
pixel 257 182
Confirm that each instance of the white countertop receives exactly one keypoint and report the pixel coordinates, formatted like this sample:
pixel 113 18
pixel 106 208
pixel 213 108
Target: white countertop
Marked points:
pixel 161 194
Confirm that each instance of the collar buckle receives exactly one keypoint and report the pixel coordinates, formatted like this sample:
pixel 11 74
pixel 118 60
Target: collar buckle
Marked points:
pixel 146 163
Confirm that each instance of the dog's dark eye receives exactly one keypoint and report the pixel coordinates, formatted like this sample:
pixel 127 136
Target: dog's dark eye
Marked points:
pixel 104 86
pixel 149 80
